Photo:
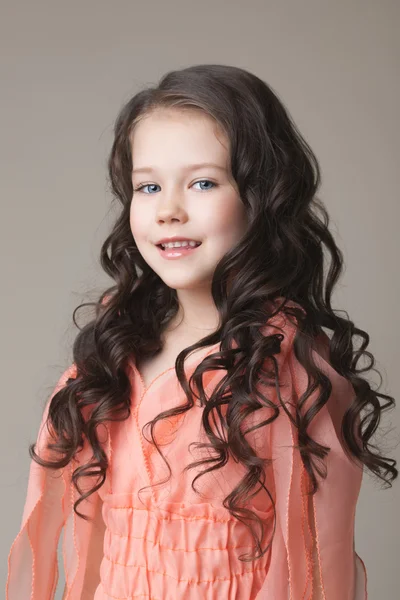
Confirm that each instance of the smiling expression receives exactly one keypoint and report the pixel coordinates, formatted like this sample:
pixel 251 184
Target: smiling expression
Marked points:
pixel 172 197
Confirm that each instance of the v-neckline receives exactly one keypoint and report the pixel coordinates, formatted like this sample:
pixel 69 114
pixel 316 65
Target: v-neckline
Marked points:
pixel 198 355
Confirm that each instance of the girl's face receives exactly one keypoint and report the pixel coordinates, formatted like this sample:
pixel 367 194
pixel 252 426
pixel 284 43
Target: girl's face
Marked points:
pixel 175 199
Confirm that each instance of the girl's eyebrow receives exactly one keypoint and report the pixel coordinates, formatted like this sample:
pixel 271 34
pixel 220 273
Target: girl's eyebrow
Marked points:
pixel 187 168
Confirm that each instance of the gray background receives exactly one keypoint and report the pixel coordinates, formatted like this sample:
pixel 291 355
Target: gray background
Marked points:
pixel 67 68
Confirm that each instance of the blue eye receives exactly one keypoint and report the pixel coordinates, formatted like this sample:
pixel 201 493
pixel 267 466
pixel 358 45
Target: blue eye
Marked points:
pixel 141 187
pixel 207 181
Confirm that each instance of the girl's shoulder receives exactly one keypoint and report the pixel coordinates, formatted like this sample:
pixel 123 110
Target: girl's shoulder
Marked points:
pixel 283 322
pixel 287 325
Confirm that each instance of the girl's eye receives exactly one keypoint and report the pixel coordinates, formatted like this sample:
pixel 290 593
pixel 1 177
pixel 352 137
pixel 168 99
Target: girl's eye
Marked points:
pixel 141 187
pixel 207 181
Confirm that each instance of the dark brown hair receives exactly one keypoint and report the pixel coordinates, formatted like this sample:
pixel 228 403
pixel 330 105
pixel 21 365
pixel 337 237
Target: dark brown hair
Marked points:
pixel 280 256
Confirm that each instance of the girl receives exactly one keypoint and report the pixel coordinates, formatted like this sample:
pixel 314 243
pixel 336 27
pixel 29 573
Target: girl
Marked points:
pixel 209 439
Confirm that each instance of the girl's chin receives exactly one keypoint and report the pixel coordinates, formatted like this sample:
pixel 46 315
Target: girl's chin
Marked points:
pixel 185 283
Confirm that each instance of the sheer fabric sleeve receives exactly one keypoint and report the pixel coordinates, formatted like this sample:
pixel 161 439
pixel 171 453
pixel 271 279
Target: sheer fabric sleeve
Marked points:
pixel 313 553
pixel 33 569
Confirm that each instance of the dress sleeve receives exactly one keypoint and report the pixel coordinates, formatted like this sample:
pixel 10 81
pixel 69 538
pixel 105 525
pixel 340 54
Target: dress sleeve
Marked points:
pixel 313 553
pixel 32 562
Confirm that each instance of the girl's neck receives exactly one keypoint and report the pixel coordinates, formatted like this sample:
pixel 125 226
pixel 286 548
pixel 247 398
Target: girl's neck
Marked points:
pixel 179 333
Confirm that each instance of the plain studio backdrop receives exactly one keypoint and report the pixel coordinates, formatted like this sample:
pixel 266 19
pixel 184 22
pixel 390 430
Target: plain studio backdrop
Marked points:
pixel 67 68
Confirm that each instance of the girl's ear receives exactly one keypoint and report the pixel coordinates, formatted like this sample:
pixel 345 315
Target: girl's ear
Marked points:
pixel 106 299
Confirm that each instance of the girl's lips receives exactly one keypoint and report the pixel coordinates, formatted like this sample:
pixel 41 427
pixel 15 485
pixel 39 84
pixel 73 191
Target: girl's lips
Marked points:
pixel 174 253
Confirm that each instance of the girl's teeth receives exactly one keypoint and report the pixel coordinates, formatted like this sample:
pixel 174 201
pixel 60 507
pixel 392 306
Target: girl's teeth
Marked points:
pixel 180 245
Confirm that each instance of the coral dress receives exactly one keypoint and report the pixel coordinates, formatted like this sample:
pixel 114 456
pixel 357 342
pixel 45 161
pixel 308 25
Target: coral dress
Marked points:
pixel 169 543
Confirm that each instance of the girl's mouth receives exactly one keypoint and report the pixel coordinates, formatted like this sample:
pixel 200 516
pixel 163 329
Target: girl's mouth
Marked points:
pixel 173 253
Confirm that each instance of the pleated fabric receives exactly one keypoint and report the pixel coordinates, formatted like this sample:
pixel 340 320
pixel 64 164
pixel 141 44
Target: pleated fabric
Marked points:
pixel 151 535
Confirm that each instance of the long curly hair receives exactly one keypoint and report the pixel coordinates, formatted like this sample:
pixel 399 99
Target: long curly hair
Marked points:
pixel 279 259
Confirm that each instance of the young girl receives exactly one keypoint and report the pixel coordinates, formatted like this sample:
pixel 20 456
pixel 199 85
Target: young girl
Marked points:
pixel 209 439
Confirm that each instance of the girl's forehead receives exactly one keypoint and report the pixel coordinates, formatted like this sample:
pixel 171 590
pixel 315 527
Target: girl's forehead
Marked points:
pixel 177 152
